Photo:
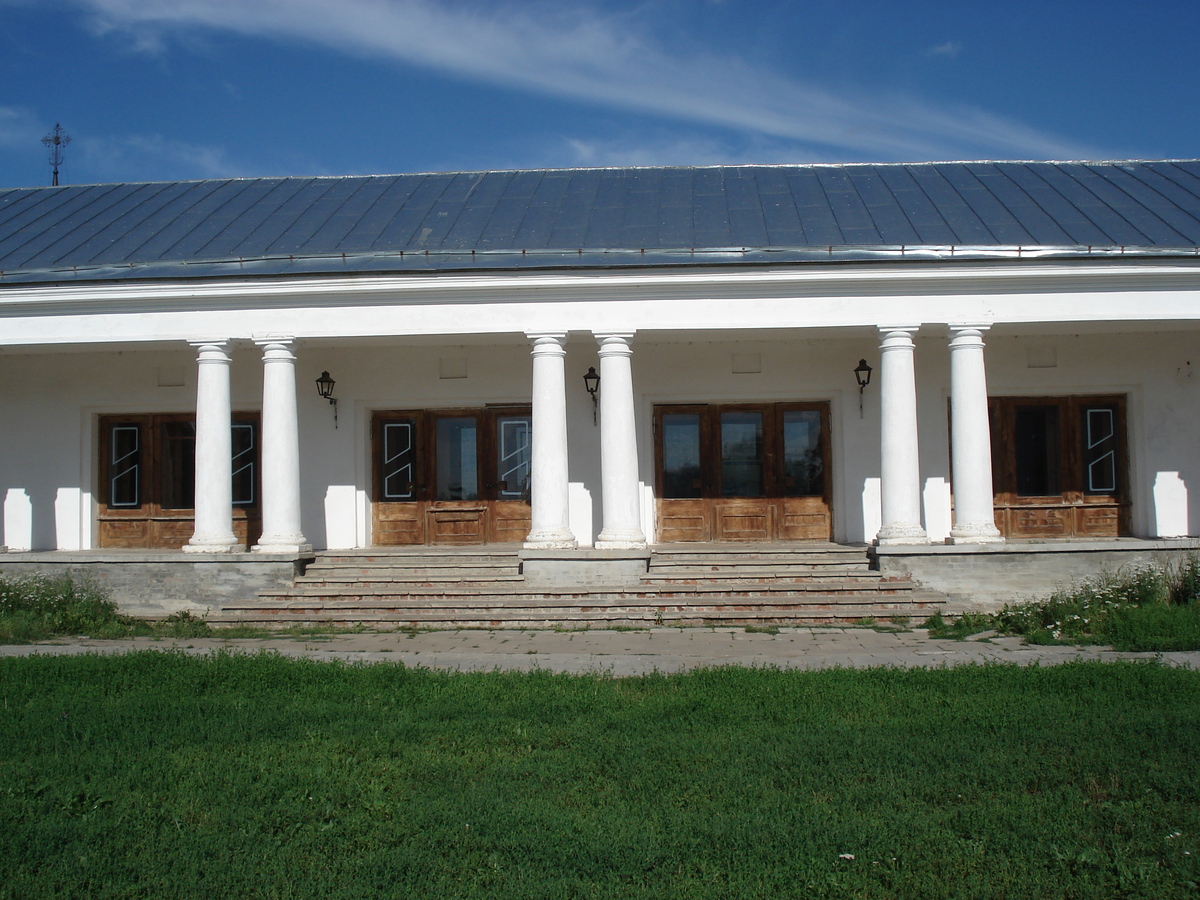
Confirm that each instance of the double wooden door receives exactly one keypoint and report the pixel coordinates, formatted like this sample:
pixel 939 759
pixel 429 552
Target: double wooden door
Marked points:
pixel 743 472
pixel 1060 466
pixel 452 476
pixel 147 490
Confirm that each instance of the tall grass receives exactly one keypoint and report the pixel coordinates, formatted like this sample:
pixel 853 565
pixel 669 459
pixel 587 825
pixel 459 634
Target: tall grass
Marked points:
pixel 161 775
pixel 1147 607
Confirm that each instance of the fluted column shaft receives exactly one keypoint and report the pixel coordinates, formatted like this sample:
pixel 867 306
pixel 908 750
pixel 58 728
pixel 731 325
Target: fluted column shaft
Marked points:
pixel 970 439
pixel 213 532
pixel 280 452
pixel 900 474
pixel 621 504
pixel 549 484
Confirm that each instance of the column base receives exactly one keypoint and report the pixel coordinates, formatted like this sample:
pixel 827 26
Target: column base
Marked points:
pixel 551 540
pixel 294 545
pixel 901 534
pixel 620 540
pixel 976 534
pixel 221 544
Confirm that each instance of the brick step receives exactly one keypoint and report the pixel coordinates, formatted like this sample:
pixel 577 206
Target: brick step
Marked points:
pixel 402 556
pixel 416 579
pixel 773 573
pixel 705 589
pixel 817 610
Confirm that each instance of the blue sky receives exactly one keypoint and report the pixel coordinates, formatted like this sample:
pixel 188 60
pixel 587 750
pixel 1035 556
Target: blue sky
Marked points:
pixel 155 90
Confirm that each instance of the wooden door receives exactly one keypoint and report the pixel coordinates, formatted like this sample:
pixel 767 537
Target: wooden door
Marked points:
pixel 458 476
pixel 148 480
pixel 743 472
pixel 1059 466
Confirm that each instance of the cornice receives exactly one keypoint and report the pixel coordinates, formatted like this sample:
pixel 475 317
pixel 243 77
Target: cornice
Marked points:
pixel 799 282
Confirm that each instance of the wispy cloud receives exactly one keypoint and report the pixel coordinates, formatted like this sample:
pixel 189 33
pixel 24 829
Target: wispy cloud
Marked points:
pixel 152 156
pixel 573 51
pixel 950 49
pixel 20 128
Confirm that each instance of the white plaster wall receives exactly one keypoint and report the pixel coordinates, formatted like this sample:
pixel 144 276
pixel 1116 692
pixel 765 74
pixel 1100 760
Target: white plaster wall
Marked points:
pixel 52 402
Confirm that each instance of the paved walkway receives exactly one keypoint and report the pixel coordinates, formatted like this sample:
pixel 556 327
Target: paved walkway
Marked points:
pixel 628 652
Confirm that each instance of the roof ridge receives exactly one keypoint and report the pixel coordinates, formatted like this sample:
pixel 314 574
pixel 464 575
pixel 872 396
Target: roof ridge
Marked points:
pixel 632 168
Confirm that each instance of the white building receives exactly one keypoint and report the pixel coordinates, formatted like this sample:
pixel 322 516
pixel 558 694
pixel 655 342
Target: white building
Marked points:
pixel 724 309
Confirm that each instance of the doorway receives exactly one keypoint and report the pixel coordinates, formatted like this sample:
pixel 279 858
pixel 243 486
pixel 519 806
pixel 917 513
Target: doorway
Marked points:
pixel 451 476
pixel 743 472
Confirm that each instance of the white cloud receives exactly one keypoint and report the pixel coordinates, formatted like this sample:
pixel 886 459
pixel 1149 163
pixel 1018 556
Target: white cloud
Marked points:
pixel 153 156
pixel 576 52
pixel 19 128
pixel 950 49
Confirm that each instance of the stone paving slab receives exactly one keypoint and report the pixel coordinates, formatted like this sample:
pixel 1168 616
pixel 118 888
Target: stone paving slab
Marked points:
pixel 624 653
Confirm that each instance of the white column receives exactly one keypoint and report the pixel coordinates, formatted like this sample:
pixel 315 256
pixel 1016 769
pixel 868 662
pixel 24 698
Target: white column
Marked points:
pixel 551 528
pixel 970 439
pixel 214 479
pixel 280 452
pixel 621 506
pixel 900 473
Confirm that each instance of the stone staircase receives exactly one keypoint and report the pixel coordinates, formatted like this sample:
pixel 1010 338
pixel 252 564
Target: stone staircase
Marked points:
pixel 684 584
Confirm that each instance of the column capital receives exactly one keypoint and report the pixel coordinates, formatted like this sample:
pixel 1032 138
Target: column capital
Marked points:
pixel 614 343
pixel 552 343
pixel 892 337
pixel 276 347
pixel 220 345
pixel 962 336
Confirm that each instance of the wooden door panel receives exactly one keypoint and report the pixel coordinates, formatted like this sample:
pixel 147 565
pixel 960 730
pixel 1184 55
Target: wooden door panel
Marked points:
pixel 742 520
pixel 457 525
pixel 684 520
pixel 124 533
pixel 803 519
pixel 1098 521
pixel 510 521
pixel 399 524
pixel 1027 521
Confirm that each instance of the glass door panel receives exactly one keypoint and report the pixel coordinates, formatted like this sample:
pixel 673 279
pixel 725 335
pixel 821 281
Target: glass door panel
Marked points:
pixel 457 470
pixel 125 466
pixel 177 465
pixel 398 461
pixel 803 456
pixel 742 453
pixel 513 457
pixel 682 476
pixel 1037 451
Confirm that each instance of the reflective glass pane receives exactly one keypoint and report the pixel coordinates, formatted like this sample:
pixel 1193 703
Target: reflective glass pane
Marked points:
pixel 512 457
pixel 124 466
pixel 803 461
pixel 1100 450
pixel 681 456
pixel 177 465
pixel 397 468
pixel 457 467
pixel 741 454
pixel 245 457
pixel 1037 451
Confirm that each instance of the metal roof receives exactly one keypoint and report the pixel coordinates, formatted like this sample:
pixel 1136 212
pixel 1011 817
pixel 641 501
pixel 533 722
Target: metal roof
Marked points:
pixel 598 218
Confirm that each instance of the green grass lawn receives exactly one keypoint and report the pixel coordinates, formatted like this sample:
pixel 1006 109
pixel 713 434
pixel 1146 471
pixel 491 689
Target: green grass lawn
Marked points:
pixel 160 775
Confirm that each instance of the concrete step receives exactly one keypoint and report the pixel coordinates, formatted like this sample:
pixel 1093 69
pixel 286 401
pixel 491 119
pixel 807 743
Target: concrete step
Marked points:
pixel 816 609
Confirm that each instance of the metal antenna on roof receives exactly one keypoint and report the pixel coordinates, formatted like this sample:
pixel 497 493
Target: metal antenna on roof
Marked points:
pixel 56 141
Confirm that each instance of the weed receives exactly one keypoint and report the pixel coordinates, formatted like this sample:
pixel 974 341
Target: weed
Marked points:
pixel 762 629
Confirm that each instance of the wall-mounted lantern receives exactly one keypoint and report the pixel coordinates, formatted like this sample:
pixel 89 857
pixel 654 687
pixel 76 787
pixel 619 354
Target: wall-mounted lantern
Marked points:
pixel 591 382
pixel 325 389
pixel 862 374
